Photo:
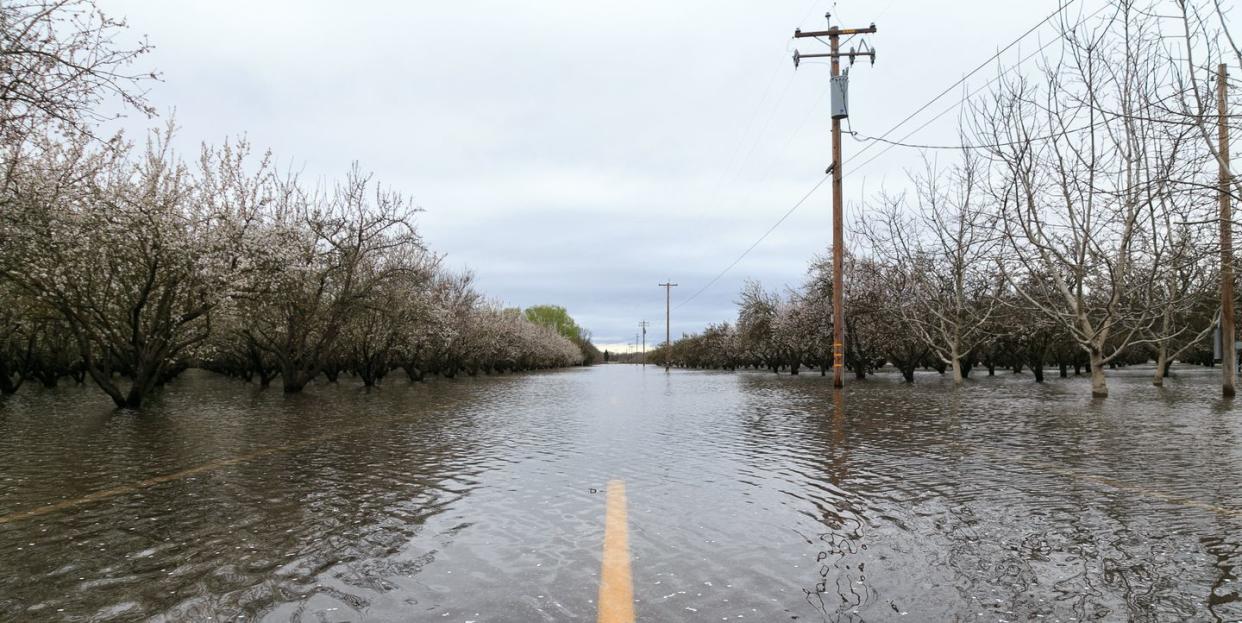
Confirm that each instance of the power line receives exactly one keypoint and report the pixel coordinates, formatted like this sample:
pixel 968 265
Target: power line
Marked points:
pixel 771 229
pixel 732 169
pixel 985 85
pixel 821 181
pixel 962 147
pixel 974 71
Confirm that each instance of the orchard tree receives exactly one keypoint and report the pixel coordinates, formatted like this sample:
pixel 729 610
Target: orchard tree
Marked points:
pixel 945 248
pixel 121 246
pixel 1081 165
pixel 60 62
pixel 324 254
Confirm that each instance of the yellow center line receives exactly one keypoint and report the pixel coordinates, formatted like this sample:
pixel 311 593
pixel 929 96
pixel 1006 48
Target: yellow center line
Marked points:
pixel 616 588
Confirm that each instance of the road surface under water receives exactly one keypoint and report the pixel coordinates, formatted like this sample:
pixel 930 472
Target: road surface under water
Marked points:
pixel 750 497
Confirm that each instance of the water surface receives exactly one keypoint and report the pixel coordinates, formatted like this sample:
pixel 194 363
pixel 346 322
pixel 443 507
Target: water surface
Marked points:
pixel 751 497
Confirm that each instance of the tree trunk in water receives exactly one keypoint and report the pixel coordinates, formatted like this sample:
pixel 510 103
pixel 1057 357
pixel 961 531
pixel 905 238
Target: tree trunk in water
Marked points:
pixel 7 384
pixel 292 385
pixel 1162 358
pixel 957 369
pixel 908 372
pixel 104 381
pixel 1038 369
pixel 1064 369
pixel 134 399
pixel 860 368
pixel 991 368
pixel 1099 387
pixel 292 378
pixel 146 376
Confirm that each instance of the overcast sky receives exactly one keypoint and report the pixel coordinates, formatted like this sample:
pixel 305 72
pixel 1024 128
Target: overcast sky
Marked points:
pixel 578 153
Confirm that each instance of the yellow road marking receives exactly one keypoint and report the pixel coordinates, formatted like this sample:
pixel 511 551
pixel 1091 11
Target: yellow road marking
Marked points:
pixel 616 588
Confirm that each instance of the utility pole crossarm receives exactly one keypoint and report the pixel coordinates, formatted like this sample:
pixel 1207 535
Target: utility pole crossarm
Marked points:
pixel 834 32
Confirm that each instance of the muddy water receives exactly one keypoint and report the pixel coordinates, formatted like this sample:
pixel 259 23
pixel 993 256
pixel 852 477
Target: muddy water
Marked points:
pixel 750 497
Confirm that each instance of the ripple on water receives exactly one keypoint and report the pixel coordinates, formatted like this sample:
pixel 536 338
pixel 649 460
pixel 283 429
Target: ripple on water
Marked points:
pixel 750 496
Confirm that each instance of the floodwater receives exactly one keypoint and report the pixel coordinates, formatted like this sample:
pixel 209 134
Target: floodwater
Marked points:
pixel 751 497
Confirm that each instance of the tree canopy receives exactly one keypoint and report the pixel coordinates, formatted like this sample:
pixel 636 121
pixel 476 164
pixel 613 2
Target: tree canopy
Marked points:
pixel 558 319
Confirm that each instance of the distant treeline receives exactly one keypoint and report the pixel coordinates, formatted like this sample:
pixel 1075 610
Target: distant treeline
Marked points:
pixel 792 332
pixel 126 265
pixel 618 357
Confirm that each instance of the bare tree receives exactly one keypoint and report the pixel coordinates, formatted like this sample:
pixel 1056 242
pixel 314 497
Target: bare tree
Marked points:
pixel 1207 40
pixel 945 251
pixel 1079 182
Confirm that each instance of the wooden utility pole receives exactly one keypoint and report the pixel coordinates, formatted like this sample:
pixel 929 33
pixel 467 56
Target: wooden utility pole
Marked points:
pixel 840 111
pixel 668 333
pixel 1228 356
pixel 643 324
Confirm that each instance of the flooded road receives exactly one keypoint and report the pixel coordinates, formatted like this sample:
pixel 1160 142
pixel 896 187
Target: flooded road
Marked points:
pixel 749 497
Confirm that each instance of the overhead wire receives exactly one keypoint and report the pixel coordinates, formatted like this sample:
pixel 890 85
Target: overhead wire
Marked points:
pixel 920 109
pixel 957 104
pixel 756 243
pixel 797 129
pixel 978 68
pixel 733 167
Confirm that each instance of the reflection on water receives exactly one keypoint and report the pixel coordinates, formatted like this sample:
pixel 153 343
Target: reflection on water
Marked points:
pixel 751 496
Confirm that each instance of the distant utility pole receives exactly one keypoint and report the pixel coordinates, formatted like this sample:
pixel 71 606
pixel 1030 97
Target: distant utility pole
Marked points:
pixel 1228 355
pixel 668 334
pixel 644 324
pixel 840 110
